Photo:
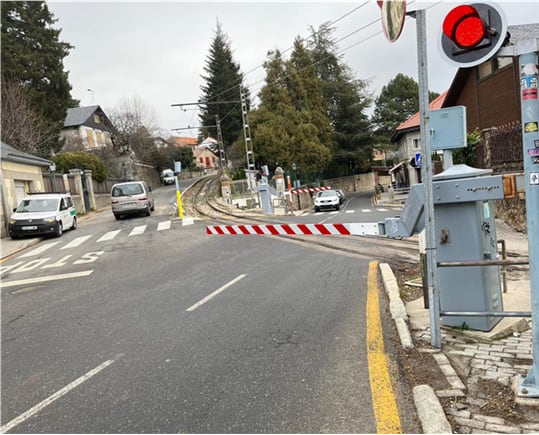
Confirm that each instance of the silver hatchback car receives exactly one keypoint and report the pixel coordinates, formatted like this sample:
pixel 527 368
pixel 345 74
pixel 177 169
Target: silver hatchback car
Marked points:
pixel 132 197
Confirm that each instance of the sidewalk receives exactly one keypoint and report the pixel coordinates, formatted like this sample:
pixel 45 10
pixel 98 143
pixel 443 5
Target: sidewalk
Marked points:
pixel 481 368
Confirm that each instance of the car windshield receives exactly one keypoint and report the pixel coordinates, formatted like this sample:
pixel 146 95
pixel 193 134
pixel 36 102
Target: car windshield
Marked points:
pixel 37 205
pixel 328 193
pixel 127 189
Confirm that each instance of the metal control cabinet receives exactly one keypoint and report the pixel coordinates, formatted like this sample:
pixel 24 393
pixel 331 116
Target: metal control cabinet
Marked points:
pixel 465 230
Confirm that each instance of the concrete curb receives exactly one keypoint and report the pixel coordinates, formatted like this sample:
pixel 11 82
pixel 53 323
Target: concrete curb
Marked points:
pixel 429 409
pixel 396 306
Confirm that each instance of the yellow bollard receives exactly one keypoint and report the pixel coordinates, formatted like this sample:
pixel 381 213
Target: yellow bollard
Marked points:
pixel 180 207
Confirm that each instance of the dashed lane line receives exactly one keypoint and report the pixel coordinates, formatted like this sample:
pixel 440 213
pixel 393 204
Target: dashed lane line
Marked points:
pixel 216 292
pixel 41 405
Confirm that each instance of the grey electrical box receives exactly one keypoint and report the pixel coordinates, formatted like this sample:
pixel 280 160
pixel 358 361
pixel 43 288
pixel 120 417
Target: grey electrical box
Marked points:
pixel 447 128
pixel 465 230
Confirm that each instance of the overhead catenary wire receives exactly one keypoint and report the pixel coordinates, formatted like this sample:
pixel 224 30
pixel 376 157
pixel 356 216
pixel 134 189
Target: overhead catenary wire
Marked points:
pixel 330 23
pixel 251 88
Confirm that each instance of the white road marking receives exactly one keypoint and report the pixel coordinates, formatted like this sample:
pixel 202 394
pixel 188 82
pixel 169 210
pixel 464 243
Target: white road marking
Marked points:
pixel 39 250
pixel 216 292
pixel 5 284
pixel 109 236
pixel 138 230
pixel 76 242
pixel 41 405
pixel 163 225
pixel 382 209
pixel 366 210
pixel 350 211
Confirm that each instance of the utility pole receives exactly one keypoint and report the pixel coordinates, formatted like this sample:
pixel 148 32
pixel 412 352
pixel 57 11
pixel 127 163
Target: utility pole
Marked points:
pixel 426 175
pixel 248 144
pixel 220 143
pixel 529 386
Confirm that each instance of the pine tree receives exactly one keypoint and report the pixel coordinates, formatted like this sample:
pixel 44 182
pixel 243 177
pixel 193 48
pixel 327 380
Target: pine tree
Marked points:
pixel 32 58
pixel 347 100
pixel 290 125
pixel 222 92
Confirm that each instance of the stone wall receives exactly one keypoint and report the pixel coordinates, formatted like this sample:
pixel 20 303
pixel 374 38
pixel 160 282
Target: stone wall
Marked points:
pixel 513 213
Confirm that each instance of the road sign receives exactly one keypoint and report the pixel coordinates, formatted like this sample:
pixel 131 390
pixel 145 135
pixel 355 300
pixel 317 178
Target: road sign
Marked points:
pixel 393 16
pixel 418 159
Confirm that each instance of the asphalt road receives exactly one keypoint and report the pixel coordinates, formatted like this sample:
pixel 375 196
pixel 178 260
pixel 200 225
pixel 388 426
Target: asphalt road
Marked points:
pixel 151 326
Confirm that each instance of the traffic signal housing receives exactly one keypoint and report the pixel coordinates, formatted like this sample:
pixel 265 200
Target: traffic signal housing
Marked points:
pixel 471 34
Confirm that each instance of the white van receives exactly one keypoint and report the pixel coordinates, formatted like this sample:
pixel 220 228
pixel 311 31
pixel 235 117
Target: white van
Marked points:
pixel 43 214
pixel 167 177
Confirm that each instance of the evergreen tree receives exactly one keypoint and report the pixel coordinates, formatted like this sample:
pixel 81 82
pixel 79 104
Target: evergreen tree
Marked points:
pixel 347 100
pixel 32 58
pixel 222 92
pixel 291 125
pixel 398 101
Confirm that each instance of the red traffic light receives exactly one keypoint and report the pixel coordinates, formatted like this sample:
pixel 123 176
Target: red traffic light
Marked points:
pixel 464 26
pixel 471 34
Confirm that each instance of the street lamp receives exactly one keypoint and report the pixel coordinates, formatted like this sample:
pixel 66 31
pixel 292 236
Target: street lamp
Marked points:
pixel 294 168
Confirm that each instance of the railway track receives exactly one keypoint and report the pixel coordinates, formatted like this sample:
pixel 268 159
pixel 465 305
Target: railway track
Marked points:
pixel 201 201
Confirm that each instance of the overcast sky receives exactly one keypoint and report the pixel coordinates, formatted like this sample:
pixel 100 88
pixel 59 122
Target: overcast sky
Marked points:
pixel 156 51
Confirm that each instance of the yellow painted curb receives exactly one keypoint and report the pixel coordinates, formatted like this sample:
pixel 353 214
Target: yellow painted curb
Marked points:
pixel 384 405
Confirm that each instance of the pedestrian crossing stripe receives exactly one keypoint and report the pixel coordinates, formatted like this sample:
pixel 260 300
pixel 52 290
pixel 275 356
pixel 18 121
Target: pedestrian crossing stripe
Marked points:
pixel 76 242
pixel 137 230
pixel 109 236
pixel 163 225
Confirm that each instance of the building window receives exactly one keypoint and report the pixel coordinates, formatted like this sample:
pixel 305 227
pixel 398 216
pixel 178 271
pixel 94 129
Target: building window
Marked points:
pixel 485 69
pixel 416 143
pixel 96 119
pixel 90 137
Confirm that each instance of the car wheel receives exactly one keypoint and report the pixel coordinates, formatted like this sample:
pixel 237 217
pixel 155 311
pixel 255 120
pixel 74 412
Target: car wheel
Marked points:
pixel 316 209
pixel 338 207
pixel 153 207
pixel 59 229
pixel 117 216
pixel 148 210
pixel 74 226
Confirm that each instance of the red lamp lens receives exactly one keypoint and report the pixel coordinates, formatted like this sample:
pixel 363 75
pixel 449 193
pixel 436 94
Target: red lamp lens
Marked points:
pixel 464 26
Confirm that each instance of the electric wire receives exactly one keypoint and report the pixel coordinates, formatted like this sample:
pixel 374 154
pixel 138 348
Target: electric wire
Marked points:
pixel 252 87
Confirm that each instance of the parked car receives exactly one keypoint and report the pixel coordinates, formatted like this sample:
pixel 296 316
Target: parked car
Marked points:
pixel 132 197
pixel 43 214
pixel 342 196
pixel 327 199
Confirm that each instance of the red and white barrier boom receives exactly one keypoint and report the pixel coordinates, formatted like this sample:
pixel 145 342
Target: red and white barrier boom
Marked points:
pixel 352 229
pixel 310 189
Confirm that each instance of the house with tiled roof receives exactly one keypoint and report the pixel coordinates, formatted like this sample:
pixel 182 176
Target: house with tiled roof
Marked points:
pixel 87 127
pixel 184 141
pixel 408 138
